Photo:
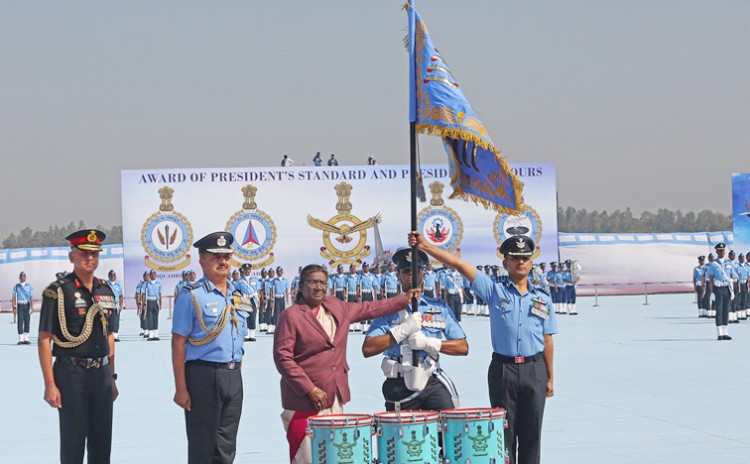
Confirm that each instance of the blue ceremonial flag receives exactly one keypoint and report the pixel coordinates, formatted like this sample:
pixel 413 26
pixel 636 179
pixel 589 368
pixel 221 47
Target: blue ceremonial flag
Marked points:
pixel 438 107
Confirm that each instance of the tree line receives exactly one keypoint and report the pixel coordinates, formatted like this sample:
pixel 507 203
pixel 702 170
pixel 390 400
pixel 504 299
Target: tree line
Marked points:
pixel 581 221
pixel 55 236
pixel 568 220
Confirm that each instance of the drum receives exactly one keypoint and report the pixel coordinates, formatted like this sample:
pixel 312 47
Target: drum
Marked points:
pixel 474 435
pixel 409 437
pixel 340 438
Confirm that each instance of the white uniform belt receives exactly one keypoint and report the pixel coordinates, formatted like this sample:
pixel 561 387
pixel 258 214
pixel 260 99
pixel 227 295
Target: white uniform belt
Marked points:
pixel 279 296
pixel 721 283
pixel 429 288
pixel 22 301
pixel 368 290
pixel 452 291
pixel 421 363
pixel 152 298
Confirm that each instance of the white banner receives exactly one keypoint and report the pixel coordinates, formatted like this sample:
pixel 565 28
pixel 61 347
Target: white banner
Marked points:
pixel 294 216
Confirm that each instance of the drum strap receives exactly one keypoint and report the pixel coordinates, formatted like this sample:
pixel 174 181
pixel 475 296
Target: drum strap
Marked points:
pixel 448 384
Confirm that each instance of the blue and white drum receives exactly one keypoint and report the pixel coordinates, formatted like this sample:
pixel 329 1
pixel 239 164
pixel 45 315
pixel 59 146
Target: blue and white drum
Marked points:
pixel 407 437
pixel 340 438
pixel 474 435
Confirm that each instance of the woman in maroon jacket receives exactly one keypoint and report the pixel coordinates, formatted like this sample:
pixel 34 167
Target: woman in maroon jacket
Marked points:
pixel 310 352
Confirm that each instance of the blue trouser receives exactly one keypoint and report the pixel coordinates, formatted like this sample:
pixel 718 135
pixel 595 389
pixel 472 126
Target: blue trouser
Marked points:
pixel 279 304
pixel 554 293
pixel 570 291
pixel 267 310
pixel 722 305
pixel 699 297
pixel 152 315
pixel 23 313
pixel 216 397
pixel 520 389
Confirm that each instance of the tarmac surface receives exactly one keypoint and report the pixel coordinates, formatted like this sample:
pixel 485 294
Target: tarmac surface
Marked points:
pixel 634 383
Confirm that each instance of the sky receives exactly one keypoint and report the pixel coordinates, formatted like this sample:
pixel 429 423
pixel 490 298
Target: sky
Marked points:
pixel 641 104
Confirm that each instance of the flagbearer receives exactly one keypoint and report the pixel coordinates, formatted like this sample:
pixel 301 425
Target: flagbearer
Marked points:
pixel 397 336
pixel 23 306
pixel 73 327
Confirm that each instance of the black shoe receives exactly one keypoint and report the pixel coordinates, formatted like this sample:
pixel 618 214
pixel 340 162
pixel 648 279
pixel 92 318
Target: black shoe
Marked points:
pixel 250 339
pixel 720 337
pixel 27 342
pixel 117 339
pixel 727 337
pixel 21 343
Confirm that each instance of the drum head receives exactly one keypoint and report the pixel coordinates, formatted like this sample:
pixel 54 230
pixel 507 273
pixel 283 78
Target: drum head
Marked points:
pixel 340 420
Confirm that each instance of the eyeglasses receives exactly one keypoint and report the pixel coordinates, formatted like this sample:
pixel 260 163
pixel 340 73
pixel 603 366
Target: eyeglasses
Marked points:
pixel 316 283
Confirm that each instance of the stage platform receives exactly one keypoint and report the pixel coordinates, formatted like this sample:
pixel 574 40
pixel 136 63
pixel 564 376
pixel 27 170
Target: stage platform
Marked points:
pixel 634 384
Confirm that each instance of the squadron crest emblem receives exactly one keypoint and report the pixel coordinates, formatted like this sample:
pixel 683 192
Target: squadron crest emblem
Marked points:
pixel 528 222
pixel 166 236
pixel 439 224
pixel 346 229
pixel 254 232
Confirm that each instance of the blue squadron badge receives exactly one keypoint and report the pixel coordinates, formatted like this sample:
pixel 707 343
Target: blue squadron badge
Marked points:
pixel 254 231
pixel 439 224
pixel 166 236
pixel 526 223
pixel 346 229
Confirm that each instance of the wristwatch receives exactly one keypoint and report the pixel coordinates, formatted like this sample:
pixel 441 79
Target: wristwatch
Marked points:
pixel 114 376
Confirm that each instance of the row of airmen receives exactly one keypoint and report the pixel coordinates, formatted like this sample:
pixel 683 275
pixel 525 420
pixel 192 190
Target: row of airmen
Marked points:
pixel 560 283
pixel 22 300
pixel 271 292
pixel 722 288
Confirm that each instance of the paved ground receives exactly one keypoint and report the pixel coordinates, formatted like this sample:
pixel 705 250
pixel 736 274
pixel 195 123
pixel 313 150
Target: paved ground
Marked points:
pixel 634 384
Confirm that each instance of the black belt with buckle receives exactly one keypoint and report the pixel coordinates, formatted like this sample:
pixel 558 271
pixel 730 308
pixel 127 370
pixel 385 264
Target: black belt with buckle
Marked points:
pixel 216 365
pixel 516 359
pixel 86 363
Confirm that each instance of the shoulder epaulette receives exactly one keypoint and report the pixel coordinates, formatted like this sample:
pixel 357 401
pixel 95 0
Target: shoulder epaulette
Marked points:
pixel 51 290
pixel 541 290
pixel 191 287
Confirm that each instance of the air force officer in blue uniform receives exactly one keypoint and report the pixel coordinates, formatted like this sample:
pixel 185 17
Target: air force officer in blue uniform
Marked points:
pixel 208 330
pixel 522 322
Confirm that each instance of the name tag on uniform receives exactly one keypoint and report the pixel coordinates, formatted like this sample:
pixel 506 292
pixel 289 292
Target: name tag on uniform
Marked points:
pixel 539 308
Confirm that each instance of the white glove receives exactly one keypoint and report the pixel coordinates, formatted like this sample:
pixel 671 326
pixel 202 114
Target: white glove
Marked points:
pixel 420 341
pixel 412 324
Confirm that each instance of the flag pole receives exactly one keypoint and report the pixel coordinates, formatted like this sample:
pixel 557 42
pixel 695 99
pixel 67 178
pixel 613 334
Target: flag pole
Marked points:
pixel 413 146
pixel 413 163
